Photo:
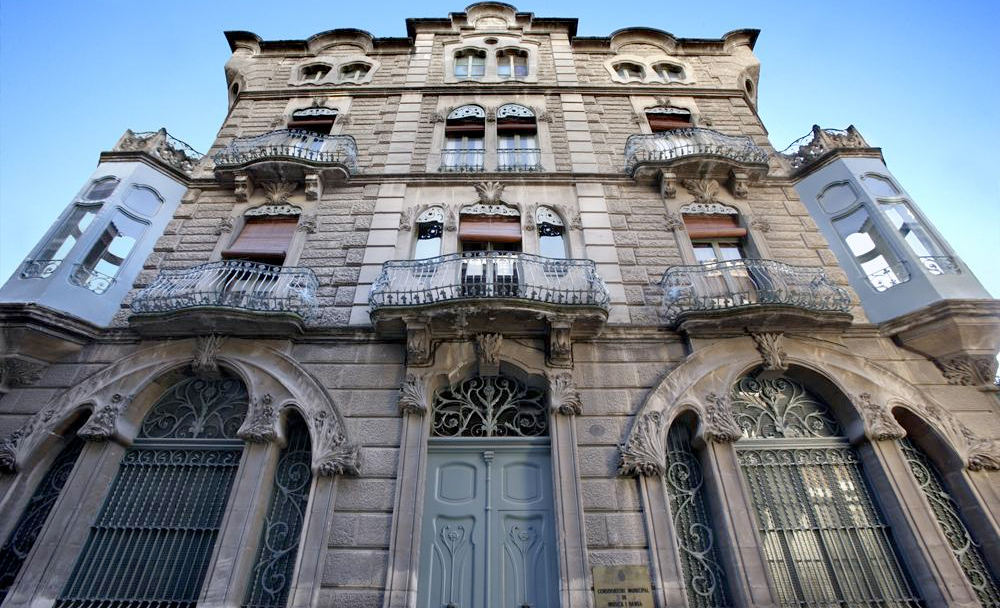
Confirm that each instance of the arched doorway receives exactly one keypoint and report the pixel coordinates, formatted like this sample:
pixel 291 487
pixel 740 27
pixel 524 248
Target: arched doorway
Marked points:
pixel 488 536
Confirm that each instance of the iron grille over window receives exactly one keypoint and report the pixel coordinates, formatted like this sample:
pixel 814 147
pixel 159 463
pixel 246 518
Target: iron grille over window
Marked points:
pixel 279 541
pixel 824 540
pixel 490 407
pixel 949 517
pixel 684 484
pixel 29 525
pixel 152 541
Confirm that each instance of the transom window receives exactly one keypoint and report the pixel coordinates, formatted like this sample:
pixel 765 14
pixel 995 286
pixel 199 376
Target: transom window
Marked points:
pixel 490 406
pixel 470 64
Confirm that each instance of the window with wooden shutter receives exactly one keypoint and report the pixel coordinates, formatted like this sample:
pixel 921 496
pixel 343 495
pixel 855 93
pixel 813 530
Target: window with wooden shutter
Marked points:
pixel 493 229
pixel 264 240
pixel 667 119
pixel 714 227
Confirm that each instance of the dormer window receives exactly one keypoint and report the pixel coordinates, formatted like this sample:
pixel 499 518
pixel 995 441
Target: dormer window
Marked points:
pixel 354 72
pixel 315 72
pixel 512 64
pixel 470 64
pixel 314 120
pixel 669 72
pixel 667 118
pixel 630 71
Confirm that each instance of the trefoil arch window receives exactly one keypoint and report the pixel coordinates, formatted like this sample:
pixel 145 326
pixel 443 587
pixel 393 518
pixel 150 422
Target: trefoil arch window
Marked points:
pixel 470 64
pixel 517 139
pixel 354 72
pixel 315 72
pixel 669 72
pixel 824 539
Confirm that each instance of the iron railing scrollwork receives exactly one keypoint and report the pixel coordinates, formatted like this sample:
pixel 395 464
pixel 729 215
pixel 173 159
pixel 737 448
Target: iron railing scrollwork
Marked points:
pixel 294 144
pixel 746 283
pixel 39 269
pixel 196 408
pixel 949 517
pixel 231 284
pixel 490 406
pixel 889 276
pixel 519 159
pixel 676 144
pixel 940 264
pixel 462 160
pixel 489 274
pixel 95 281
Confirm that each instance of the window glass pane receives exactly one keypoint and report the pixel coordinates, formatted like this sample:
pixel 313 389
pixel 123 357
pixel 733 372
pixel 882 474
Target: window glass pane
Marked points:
pixel 704 253
pixel 836 197
pixel 552 246
pixel 730 251
pixel 143 200
pixel 910 229
pixel 62 242
pixel 478 67
pixel 102 263
pixel 520 66
pixel 461 67
pixel 504 67
pixel 101 190
pixel 870 250
pixel 880 186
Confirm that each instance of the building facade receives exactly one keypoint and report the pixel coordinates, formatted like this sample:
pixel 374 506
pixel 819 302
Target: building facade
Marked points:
pixel 497 315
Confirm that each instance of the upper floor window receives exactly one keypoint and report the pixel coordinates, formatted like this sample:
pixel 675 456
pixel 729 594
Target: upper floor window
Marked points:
pixel 143 200
pixel 59 245
pixel 101 189
pixel 470 64
pixel 315 72
pixel 354 72
pixel 430 229
pixel 517 139
pixel 669 72
pixel 870 250
pixel 551 233
pixel 894 207
pixel 315 120
pixel 630 71
pixel 465 131
pixel 667 118
pixel 101 265
pixel 512 64
pixel 264 239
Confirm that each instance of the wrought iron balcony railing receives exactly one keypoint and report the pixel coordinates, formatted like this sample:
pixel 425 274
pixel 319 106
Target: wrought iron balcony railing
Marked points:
pixel 39 269
pixel 291 144
pixel 519 159
pixel 95 281
pixel 231 284
pixel 747 283
pixel 677 144
pixel 489 275
pixel 462 160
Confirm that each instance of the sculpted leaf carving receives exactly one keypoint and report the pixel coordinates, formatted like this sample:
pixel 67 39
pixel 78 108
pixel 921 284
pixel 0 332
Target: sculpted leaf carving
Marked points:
pixel 277 193
pixel 488 347
pixel 333 455
pixel 206 352
pixel 673 221
pixel 102 422
pixel 969 371
pixel 771 348
pixel 645 452
pixel 563 396
pixel 720 424
pixel 413 395
pixel 490 192
pixel 261 421
pixel 703 190
pixel 879 423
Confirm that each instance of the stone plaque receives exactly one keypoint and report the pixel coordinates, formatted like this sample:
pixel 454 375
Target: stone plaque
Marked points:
pixel 622 587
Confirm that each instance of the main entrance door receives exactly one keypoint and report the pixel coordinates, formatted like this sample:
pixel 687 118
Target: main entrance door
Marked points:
pixel 488 537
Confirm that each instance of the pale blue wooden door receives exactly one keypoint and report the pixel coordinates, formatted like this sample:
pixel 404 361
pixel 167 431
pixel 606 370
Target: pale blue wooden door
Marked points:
pixel 488 538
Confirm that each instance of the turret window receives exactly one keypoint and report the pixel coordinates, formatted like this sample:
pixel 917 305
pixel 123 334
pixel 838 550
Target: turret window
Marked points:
pixel 870 250
pixel 100 267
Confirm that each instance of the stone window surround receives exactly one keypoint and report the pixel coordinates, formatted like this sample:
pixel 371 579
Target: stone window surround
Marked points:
pixel 640 104
pixel 754 243
pixel 894 488
pixel 335 64
pixel 238 219
pixel 231 565
pixel 650 76
pixel 490 103
pixel 340 103
pixel 503 42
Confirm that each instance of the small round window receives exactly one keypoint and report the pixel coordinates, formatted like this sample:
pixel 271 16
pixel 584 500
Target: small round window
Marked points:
pixel 143 200
pixel 101 189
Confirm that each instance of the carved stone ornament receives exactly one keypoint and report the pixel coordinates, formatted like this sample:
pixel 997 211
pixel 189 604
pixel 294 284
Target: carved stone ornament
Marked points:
pixel 879 423
pixel 977 452
pixel 16 372
pixel 770 345
pixel 576 222
pixel 739 184
pixel 673 221
pixel 719 424
pixel 984 455
pixel 490 192
pixel 418 344
pixel 277 193
pixel 406 219
pixel 206 351
pixel 668 185
pixel 563 397
pixel 703 190
pixel 242 187
pixel 101 424
pixel 488 349
pixel 284 209
pixel 560 345
pixel 759 223
pixel 709 209
pixel 260 425
pixel 226 225
pixel 451 219
pixel 307 224
pixel 645 453
pixel 9 447
pixel 333 456
pixel 544 116
pixel 662 100
pixel 313 187
pixel 491 115
pixel 967 370
pixel 413 395
pixel 529 216
pixel 437 117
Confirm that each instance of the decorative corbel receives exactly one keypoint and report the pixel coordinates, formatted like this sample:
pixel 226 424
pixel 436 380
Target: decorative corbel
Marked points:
pixel 668 184
pixel 204 361
pixel 770 345
pixel 451 218
pixel 333 455
pixel 879 423
pixel 560 343
pixel 308 224
pixel 720 424
pixel 418 342
pixel 242 186
pixel 103 421
pixel 406 219
pixel 576 222
pixel 261 422
pixel 544 116
pixel 739 184
pixel 277 193
pixel 673 221
pixel 436 117
pixel 313 186
pixel 488 352
pixel 491 115
pixel 228 224
pixel 984 454
pixel 645 452
pixel 490 193
pixel 968 370
pixel 413 396
pixel 528 214
pixel 16 372
pixel 563 396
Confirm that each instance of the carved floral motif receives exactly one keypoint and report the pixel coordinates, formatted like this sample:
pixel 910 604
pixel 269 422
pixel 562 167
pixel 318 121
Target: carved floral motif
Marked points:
pixel 226 225
pixel 488 348
pixel 563 396
pixel 490 192
pixel 261 422
pixel 645 452
pixel 771 348
pixel 18 372
pixel 967 370
pixel 759 223
pixel 308 224
pixel 673 221
pixel 879 423
pixel 334 456
pixel 703 190
pixel 720 424
pixel 206 352
pixel 102 422
pixel 413 395
pixel 277 193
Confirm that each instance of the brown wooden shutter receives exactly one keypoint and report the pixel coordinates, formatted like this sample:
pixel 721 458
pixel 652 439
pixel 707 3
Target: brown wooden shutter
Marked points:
pixel 668 122
pixel 713 226
pixel 482 229
pixel 264 239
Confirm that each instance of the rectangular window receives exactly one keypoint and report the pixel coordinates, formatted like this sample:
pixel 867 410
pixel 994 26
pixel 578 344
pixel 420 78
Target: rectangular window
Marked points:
pixel 263 240
pixel 99 268
pixel 69 233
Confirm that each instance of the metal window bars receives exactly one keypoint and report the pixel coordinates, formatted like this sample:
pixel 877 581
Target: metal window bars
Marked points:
pixel 889 276
pixel 746 283
pixel 488 274
pixel 462 160
pixel 519 159
pixel 231 284
pixel 294 144
pixel 693 141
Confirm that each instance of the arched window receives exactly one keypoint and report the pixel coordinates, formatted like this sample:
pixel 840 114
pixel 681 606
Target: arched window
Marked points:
pixel 870 250
pixel 165 507
pixel 101 189
pixel 470 64
pixel 517 139
pixel 551 233
pixel 22 538
pixel 353 72
pixel 512 64
pixel 949 517
pixel 464 132
pixel 669 72
pixel 824 540
pixel 630 71
pixel 684 485
pixel 271 578
pixel 99 268
pixel 430 227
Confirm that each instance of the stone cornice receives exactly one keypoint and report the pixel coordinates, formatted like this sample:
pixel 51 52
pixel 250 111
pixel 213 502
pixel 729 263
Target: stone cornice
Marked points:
pixel 981 308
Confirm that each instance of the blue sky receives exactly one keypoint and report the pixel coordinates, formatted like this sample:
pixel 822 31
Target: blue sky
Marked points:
pixel 918 80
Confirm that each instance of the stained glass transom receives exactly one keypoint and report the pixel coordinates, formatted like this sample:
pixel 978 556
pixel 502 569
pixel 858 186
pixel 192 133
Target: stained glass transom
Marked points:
pixel 545 215
pixel 513 110
pixel 949 517
pixel 434 214
pixel 313 112
pixel 684 485
pixel 467 112
pixel 198 408
pixel 29 525
pixel 496 406
pixel 780 408
pixel 275 563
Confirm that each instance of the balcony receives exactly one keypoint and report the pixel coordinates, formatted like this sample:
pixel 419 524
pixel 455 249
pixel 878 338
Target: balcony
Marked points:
pixel 234 296
pixel 736 294
pixel 519 159
pixel 288 154
pixel 696 152
pixel 475 286
pixel 463 160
